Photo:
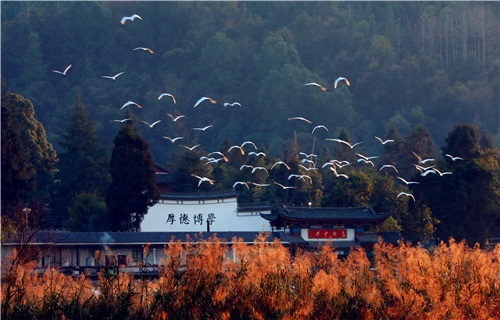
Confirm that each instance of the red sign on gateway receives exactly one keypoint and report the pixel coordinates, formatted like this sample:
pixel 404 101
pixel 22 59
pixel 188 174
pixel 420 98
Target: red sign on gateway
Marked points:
pixel 327 234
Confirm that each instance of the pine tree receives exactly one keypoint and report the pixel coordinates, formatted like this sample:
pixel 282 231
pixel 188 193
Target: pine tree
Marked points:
pixel 83 167
pixel 133 189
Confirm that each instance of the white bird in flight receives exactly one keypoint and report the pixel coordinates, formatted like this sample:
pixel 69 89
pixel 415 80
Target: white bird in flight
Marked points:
pixel 113 77
pixel 175 118
pixel 212 160
pixel 338 174
pixel 284 187
pixel 220 154
pixel 240 182
pixel 316 85
pixel 407 182
pixel 63 72
pixel 173 139
pixel 335 162
pixel 204 128
pixel 131 18
pixel 384 141
pixel 300 118
pixel 300 176
pixel 145 49
pixel 308 161
pixel 422 169
pixel 258 154
pixel 280 162
pixel 236 147
pixel 339 163
pixel 340 79
pixel 365 157
pixel 203 179
pixel 425 173
pixel 344 142
pixel 192 148
pixel 307 169
pixel 259 168
pixel 442 173
pixel 151 125
pixel 122 121
pixel 420 160
pixel 453 158
pixel 241 146
pixel 318 127
pixel 328 164
pixel 308 155
pixel 249 142
pixel 229 105
pixel 203 99
pixel 388 166
pixel 260 184
pixel 167 94
pixel 406 194
pixel 366 161
pixel 128 103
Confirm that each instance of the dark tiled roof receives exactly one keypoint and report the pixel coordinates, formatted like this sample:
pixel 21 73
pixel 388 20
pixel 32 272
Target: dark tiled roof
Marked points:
pixel 296 240
pixel 270 216
pixel 104 238
pixel 331 214
pixel 255 206
pixel 373 237
pixel 200 195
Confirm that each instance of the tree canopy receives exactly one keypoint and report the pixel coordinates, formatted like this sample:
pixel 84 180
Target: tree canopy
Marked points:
pixel 270 73
pixel 83 164
pixel 133 189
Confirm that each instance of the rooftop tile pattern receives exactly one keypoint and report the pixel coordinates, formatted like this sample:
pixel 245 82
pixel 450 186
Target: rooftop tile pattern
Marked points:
pixel 200 195
pixel 338 214
pixel 124 238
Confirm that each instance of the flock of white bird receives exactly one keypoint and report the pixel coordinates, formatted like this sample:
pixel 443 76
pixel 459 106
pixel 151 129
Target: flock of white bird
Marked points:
pixel 308 161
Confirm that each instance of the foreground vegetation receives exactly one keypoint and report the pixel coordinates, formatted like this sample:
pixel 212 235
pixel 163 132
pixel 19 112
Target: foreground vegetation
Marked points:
pixel 264 281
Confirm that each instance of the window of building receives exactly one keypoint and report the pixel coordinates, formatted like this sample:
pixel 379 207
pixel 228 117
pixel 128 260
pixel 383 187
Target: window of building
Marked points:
pixel 137 255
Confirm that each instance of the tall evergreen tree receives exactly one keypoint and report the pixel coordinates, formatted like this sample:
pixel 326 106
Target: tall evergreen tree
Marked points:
pixel 17 171
pixel 466 202
pixel 133 189
pixel 38 152
pixel 84 165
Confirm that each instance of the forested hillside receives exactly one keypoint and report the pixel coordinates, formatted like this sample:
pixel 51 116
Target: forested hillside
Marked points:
pixel 408 63
pixel 379 87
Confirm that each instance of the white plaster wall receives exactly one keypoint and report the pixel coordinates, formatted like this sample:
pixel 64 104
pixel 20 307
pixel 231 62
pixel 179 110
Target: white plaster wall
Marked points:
pixel 223 211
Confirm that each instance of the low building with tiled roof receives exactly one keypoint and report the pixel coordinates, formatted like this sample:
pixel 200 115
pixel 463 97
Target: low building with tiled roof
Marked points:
pixel 344 228
pixel 91 250
pixel 190 217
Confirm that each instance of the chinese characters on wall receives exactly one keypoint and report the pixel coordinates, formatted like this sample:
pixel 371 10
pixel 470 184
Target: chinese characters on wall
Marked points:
pixel 196 219
pixel 327 234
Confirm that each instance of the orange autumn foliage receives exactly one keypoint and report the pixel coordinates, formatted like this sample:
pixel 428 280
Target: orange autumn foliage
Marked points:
pixel 207 279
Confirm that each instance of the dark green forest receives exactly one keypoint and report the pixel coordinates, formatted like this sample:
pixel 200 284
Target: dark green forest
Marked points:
pixel 424 74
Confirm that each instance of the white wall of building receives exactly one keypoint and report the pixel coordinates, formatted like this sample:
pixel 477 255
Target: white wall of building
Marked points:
pixel 192 216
